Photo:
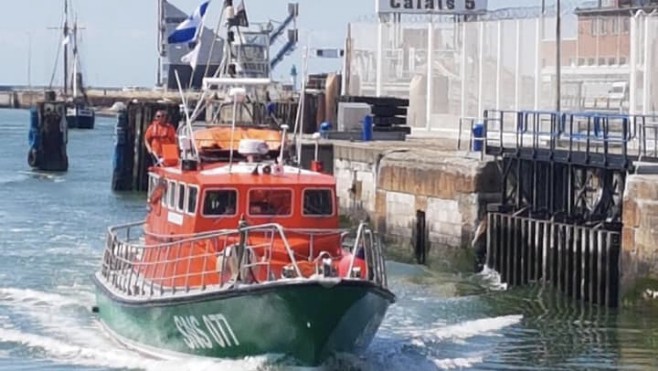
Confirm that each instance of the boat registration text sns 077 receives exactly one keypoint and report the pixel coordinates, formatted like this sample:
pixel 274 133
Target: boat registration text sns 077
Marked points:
pixel 212 330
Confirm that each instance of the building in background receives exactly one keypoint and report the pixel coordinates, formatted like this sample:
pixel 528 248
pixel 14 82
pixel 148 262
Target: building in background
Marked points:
pixel 595 61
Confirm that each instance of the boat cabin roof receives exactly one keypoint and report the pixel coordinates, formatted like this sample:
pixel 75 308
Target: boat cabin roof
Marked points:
pixel 216 195
pixel 248 174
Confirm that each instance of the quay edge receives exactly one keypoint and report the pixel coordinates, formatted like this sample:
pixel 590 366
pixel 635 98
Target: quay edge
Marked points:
pixel 390 182
pixel 396 183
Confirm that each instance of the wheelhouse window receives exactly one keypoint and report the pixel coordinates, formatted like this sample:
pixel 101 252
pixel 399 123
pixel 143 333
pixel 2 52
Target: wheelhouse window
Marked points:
pixel 270 202
pixel 181 197
pixel 220 202
pixel 171 194
pixel 192 193
pixel 153 182
pixel 318 202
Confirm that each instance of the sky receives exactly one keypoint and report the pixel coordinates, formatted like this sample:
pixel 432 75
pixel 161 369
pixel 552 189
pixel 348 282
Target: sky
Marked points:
pixel 119 41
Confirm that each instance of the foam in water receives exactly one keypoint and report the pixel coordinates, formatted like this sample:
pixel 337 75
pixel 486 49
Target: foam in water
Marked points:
pixel 462 330
pixel 457 363
pixel 493 278
pixel 33 298
pixel 70 353
pixel 67 338
pixel 69 341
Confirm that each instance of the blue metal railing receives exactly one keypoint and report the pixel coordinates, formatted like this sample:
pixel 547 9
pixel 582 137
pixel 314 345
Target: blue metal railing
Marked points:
pixel 589 133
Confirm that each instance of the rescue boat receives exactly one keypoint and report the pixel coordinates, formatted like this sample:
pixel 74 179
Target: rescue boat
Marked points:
pixel 240 258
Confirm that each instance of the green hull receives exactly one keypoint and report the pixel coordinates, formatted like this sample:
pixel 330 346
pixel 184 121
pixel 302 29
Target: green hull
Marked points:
pixel 303 319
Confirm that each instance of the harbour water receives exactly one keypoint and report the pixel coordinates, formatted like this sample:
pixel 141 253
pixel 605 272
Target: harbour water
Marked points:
pixel 51 238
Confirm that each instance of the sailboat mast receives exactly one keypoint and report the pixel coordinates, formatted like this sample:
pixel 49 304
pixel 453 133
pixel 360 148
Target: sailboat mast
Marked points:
pixel 75 59
pixel 66 45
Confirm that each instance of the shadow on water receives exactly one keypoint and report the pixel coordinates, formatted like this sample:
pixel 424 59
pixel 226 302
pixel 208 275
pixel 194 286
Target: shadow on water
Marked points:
pixel 559 333
pixel 553 333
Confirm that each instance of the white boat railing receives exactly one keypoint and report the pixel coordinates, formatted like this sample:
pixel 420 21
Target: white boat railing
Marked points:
pixel 138 263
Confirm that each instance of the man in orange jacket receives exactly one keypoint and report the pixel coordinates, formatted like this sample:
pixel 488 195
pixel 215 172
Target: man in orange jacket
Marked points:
pixel 160 132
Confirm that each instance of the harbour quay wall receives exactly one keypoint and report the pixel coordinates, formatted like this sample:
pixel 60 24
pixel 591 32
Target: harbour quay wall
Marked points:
pixel 100 98
pixel 399 185
pixel 639 258
pixel 8 99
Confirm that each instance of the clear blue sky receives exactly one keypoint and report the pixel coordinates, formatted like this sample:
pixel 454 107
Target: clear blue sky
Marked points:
pixel 119 43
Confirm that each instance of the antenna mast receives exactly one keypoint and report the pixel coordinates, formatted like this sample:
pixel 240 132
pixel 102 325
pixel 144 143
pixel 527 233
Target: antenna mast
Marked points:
pixel 161 29
pixel 66 45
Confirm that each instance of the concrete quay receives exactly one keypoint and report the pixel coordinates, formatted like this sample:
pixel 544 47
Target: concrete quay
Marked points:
pixel 392 182
pixel 102 99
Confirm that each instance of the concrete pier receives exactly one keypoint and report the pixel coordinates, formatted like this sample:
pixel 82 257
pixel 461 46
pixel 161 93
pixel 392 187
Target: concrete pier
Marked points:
pixel 424 191
pixel 400 185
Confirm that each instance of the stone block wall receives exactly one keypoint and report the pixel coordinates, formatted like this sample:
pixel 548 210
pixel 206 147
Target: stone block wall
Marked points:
pixel 639 258
pixel 390 183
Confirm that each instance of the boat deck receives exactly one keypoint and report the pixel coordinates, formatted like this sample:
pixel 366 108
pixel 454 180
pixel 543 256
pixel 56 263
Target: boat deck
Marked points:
pixel 210 262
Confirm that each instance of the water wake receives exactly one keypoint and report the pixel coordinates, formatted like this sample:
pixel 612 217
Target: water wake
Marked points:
pixel 64 335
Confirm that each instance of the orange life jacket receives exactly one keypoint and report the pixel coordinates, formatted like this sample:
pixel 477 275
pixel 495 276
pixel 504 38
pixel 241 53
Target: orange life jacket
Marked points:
pixel 157 135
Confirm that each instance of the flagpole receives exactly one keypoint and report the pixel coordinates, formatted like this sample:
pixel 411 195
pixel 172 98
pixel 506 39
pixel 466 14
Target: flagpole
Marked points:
pixel 196 52
pixel 301 110
pixel 214 41
pixel 160 46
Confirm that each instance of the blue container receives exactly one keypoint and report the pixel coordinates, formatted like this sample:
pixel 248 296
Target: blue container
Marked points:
pixel 366 134
pixel 478 137
pixel 325 128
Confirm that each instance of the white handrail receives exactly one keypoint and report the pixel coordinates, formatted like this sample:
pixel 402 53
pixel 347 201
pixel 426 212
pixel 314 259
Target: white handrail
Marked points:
pixel 137 269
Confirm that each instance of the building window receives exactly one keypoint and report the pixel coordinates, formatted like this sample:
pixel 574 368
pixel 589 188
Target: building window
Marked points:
pixel 612 61
pixel 622 60
pixel 590 61
pixel 601 61
pixel 581 61
pixel 220 202
pixel 593 26
pixel 603 26
pixel 627 25
pixel 614 26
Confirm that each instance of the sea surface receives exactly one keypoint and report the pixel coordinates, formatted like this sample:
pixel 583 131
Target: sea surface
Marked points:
pixel 446 317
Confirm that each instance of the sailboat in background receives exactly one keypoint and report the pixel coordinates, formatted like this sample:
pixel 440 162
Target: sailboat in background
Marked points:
pixel 79 112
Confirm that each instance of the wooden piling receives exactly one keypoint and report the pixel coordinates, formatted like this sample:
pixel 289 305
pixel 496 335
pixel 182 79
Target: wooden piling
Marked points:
pixel 131 159
pixel 48 136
